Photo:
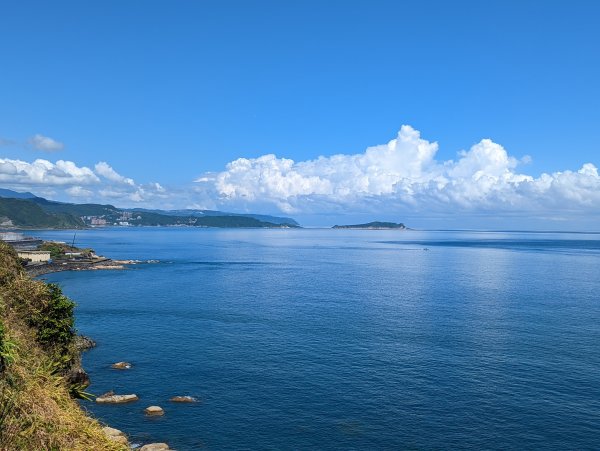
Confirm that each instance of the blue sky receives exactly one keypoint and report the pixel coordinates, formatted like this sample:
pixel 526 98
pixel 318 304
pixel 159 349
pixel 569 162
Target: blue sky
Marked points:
pixel 166 92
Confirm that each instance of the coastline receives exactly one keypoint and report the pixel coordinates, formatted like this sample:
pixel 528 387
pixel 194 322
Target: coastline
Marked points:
pixel 47 268
pixel 77 374
pixel 104 264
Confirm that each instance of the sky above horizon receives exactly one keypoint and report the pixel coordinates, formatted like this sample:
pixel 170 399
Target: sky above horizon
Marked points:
pixel 433 113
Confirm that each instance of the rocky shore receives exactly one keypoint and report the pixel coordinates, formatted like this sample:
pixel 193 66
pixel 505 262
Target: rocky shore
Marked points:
pixel 78 376
pixel 104 264
pixel 84 343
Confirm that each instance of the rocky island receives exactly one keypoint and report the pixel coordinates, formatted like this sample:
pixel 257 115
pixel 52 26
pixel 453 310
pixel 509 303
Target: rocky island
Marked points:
pixel 375 225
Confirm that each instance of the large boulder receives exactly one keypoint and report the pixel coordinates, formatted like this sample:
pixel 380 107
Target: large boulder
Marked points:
pixel 154 411
pixel 111 398
pixel 155 447
pixel 115 435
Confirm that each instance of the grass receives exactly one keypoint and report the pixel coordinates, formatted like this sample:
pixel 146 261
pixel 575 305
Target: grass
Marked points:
pixel 37 411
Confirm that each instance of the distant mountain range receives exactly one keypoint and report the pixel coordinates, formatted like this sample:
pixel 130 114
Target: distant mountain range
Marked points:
pixel 30 211
pixel 15 195
pixel 206 213
pixel 375 225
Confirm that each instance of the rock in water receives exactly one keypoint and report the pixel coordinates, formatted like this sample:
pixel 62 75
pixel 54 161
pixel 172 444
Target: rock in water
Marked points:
pixel 110 398
pixel 121 365
pixel 115 435
pixel 154 410
pixel 183 399
pixel 155 447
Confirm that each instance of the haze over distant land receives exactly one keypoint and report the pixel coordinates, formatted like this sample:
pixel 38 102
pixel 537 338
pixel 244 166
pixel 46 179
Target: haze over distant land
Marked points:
pixel 278 108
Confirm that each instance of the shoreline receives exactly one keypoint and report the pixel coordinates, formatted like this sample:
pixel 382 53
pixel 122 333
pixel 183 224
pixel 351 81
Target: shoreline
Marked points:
pixel 48 268
pixel 105 264
pixel 84 343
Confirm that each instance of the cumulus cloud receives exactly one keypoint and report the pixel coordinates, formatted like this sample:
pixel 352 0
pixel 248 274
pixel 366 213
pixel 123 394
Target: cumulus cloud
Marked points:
pixel 148 193
pixel 78 182
pixel 43 173
pixel 79 191
pixel 45 143
pixel 109 173
pixel 402 174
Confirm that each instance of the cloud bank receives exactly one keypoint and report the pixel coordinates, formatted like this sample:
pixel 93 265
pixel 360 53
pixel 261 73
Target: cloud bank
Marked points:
pixel 400 179
pixel 403 175
pixel 102 183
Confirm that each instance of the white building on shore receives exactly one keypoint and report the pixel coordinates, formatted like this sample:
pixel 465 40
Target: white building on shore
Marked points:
pixel 35 256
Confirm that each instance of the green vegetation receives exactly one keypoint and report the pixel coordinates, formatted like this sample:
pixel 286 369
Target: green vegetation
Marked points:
pixel 26 210
pixel 233 221
pixel 191 213
pixel 53 321
pixel 156 219
pixel 25 213
pixel 37 351
pixel 75 209
pixel 58 250
pixel 372 225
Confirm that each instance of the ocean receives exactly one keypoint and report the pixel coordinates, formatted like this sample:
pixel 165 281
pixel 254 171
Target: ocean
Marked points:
pixel 345 339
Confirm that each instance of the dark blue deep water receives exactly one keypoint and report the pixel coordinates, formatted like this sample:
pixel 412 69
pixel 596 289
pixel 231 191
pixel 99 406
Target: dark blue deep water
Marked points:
pixel 341 339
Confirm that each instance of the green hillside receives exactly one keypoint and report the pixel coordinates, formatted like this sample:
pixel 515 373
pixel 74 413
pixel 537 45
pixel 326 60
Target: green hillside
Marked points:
pixel 39 365
pixel 24 213
pixel 75 209
pixel 234 221
pixel 36 212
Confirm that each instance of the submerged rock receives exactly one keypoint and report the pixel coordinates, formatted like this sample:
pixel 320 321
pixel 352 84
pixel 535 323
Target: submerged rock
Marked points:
pixel 115 435
pixel 183 399
pixel 111 398
pixel 155 447
pixel 154 410
pixel 121 366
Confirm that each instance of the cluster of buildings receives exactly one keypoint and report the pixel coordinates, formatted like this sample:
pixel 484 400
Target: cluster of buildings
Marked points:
pixel 20 241
pixel 26 247
pixel 124 219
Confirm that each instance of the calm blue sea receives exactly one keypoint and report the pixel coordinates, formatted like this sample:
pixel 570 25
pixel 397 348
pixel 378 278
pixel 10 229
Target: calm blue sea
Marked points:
pixel 346 339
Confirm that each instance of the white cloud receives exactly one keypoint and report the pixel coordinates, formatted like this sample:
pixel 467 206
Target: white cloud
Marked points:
pixel 45 143
pixel 43 173
pixel 65 180
pixel 79 191
pixel 139 193
pixel 103 169
pixel 401 178
pixel 402 175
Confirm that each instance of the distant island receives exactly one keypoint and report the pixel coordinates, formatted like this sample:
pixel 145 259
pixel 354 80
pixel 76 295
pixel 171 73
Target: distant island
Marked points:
pixel 375 225
pixel 25 210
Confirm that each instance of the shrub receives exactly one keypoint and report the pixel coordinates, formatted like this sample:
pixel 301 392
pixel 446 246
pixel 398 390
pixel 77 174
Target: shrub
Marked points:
pixel 53 320
pixel 9 264
pixel 2 334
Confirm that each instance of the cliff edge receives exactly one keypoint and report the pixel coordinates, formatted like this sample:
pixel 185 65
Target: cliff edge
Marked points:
pixel 40 373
